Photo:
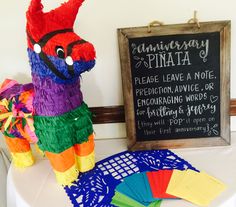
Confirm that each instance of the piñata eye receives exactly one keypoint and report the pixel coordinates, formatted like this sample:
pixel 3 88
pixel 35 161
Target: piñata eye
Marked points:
pixel 60 52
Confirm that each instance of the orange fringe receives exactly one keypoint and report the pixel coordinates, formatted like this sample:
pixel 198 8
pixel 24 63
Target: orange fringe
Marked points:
pixel 63 161
pixel 86 148
pixel 17 145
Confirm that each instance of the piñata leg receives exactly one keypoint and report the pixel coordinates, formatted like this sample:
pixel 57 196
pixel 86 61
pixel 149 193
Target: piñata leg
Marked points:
pixel 85 154
pixel 64 166
pixel 20 151
pixel 68 142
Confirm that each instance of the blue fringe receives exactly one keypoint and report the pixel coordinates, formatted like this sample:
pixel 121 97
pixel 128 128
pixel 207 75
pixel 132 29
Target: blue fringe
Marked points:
pixel 38 67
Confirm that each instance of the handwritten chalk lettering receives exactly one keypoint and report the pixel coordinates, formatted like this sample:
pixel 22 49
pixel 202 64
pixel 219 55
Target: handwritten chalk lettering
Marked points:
pixel 165 131
pixel 181 110
pixel 153 91
pixel 187 88
pixel 202 45
pixel 211 119
pixel 176 121
pixel 198 121
pixel 195 97
pixel 176 86
pixel 143 124
pixel 189 77
pixel 162 59
pixel 160 101
pixel 200 109
pixel 146 80
pixel 209 86
pixel 140 112
pixel 164 111
pixel 159 122
pixel 173 77
pixel 204 75
pixel 188 121
pixel 183 58
pixel 191 129
pixel 149 132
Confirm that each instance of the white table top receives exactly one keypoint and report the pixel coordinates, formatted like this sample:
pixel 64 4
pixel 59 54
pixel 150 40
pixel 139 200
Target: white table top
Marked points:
pixel 36 186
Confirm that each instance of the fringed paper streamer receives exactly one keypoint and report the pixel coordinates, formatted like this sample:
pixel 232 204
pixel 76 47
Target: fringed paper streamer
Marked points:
pixel 8 117
pixel 86 163
pixel 16 113
pixel 40 69
pixel 20 151
pixel 8 83
pixel 79 155
pixel 60 121
pixel 39 150
pixel 67 96
pixel 26 132
pixel 85 154
pixel 86 148
pixel 4 105
pixel 57 142
pixel 56 134
pixel 63 161
pixel 66 178
pixel 17 145
pixel 22 160
pixel 30 132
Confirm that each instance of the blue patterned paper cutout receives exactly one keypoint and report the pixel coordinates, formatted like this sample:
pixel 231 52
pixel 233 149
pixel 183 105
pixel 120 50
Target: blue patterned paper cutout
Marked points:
pixel 96 188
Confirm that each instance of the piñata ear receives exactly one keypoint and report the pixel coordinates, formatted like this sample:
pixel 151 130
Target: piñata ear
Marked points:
pixel 34 17
pixel 66 13
pixel 61 18
pixel 35 7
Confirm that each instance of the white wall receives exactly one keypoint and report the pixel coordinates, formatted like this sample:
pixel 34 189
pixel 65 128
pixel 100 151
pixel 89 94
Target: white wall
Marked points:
pixel 97 22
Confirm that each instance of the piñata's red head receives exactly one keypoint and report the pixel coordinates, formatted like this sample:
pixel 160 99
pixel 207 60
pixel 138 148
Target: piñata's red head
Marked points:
pixel 51 37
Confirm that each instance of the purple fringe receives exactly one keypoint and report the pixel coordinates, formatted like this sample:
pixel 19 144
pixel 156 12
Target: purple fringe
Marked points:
pixel 52 99
pixel 15 90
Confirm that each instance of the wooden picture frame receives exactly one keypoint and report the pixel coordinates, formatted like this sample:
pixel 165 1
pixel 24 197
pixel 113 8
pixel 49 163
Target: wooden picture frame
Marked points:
pixel 127 39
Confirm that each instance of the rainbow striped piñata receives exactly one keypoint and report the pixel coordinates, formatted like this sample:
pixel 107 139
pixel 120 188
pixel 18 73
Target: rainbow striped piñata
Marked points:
pixel 56 111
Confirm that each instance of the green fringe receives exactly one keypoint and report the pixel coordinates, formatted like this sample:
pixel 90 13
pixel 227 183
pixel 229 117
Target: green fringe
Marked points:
pixel 5 133
pixel 58 121
pixel 56 134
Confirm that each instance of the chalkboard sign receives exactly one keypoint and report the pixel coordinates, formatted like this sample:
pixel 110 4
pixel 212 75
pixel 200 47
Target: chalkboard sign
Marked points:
pixel 176 85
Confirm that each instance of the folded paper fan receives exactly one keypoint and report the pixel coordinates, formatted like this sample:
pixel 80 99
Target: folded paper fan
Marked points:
pixel 140 189
pixel 196 187
pixel 147 188
pixel 160 180
pixel 122 200
pixel 139 185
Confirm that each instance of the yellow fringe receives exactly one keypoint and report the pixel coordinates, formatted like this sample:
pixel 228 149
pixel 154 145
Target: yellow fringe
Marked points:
pixel 66 178
pixel 86 163
pixel 39 150
pixel 22 160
